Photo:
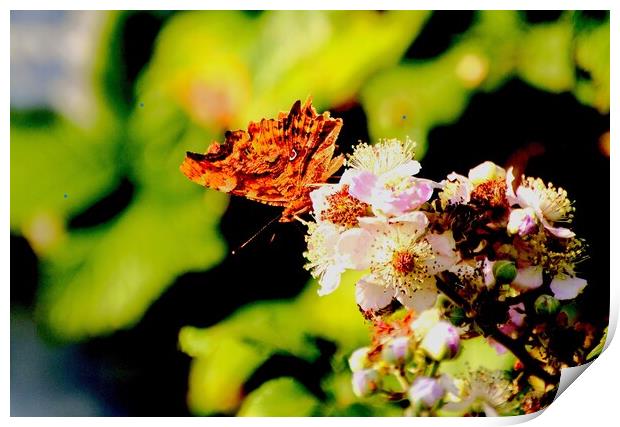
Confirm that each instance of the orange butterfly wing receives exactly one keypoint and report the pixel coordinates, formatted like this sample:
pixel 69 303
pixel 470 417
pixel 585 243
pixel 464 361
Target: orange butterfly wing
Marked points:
pixel 274 162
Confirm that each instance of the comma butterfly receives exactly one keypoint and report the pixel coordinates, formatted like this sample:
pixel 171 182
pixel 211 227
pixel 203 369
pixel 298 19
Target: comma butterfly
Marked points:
pixel 275 162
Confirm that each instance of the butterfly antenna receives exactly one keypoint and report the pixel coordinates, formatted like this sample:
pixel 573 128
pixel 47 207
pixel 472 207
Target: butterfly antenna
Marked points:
pixel 255 235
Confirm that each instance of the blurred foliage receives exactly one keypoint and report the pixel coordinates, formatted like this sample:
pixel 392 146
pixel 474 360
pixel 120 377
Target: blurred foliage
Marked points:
pixel 212 71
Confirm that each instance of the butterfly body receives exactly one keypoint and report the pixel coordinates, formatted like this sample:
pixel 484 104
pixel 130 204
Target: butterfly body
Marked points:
pixel 275 161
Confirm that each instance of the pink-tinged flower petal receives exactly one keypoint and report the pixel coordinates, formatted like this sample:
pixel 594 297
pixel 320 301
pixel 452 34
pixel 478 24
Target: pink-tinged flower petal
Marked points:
pixel 528 278
pixel 371 296
pixel 487 271
pixel 347 177
pixel 394 203
pixel 426 391
pixel 499 349
pixel 353 248
pixel 516 313
pixel 567 288
pixel 363 185
pixel 330 280
pixel 561 232
pixel 444 248
pixel 420 300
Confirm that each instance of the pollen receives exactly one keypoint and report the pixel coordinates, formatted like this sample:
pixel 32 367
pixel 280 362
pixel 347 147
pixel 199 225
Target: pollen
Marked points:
pixel 344 209
pixel 491 193
pixel 404 262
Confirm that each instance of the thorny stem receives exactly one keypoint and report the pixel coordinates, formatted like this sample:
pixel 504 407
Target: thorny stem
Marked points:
pixel 514 345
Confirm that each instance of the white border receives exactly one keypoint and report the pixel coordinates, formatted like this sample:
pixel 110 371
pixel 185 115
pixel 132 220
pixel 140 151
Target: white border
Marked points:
pixel 592 399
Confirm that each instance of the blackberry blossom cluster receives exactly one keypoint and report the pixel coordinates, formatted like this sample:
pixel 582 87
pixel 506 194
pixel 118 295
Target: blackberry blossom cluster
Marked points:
pixel 484 254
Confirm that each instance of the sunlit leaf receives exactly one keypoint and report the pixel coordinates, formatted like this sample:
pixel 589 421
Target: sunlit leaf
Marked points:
pixel 104 278
pixel 281 397
pixel 220 390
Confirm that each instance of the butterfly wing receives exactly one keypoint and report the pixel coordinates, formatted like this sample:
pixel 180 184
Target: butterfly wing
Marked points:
pixel 274 161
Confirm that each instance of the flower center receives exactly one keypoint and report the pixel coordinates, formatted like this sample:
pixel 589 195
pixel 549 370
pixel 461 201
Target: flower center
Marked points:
pixel 404 262
pixel 344 209
pixel 491 193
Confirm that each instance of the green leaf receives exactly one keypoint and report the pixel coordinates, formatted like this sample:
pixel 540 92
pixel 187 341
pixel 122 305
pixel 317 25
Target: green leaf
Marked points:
pixel 278 326
pixel 104 278
pixel 545 57
pixel 477 353
pixel 596 351
pixel 57 168
pixel 221 390
pixel 281 397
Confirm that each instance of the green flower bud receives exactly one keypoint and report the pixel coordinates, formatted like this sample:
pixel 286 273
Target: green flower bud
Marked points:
pixel 546 305
pixel 568 314
pixel 504 271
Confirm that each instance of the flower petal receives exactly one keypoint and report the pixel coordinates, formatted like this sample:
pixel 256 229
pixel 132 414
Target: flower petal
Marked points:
pixel 371 296
pixel 567 288
pixel 319 197
pixel 444 247
pixel 363 185
pixel 561 232
pixel 528 278
pixel 353 248
pixel 330 280
pixel 420 300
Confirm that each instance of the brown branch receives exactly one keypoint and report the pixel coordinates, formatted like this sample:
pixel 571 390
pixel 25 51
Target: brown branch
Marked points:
pixel 516 346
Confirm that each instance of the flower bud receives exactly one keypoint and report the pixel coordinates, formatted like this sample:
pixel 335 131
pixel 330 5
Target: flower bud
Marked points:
pixel 441 341
pixel 424 322
pixel 365 382
pixel 546 305
pixel 522 221
pixel 426 391
pixel 504 271
pixel 397 350
pixel 359 359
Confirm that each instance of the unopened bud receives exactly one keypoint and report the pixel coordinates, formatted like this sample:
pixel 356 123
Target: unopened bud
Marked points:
pixel 397 350
pixel 546 305
pixel 365 382
pixel 426 391
pixel 504 271
pixel 359 359
pixel 442 341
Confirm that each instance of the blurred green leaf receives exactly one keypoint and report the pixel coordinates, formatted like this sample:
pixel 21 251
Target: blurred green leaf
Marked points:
pixel 104 278
pixel 221 390
pixel 52 158
pixel 545 56
pixel 281 397
pixel 477 353
pixel 592 51
pixel 276 326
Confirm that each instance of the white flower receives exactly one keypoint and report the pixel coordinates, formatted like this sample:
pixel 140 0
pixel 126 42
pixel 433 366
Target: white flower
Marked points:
pixel 547 203
pixel 486 171
pixel 382 176
pixel 332 249
pixel 486 391
pixel 403 260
